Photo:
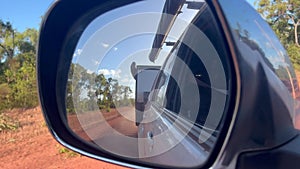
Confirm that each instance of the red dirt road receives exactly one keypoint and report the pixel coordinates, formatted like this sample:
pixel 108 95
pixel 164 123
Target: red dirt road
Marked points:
pixel 32 146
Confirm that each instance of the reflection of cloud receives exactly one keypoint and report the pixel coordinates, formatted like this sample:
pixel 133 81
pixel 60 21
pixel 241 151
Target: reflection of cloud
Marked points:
pixel 77 52
pixel 125 80
pixel 76 55
pixel 269 45
pixel 105 72
pixel 90 71
pixel 113 73
pixel 96 62
pixel 105 45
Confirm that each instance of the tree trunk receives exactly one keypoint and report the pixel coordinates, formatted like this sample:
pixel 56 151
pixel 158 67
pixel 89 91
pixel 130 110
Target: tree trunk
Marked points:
pixel 296 33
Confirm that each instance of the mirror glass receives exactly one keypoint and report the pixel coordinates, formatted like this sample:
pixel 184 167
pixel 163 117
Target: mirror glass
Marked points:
pixel 149 81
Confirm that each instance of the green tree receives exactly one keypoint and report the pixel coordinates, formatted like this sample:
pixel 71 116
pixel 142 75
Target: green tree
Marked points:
pixel 79 81
pixel 84 89
pixel 17 71
pixel 116 93
pixel 126 91
pixel 7 47
pixel 4 96
pixel 100 83
pixel 294 53
pixel 284 18
pixel 22 83
pixel 7 41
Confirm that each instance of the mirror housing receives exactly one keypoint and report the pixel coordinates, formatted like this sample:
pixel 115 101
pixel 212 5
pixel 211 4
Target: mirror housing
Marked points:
pixel 63 26
pixel 56 49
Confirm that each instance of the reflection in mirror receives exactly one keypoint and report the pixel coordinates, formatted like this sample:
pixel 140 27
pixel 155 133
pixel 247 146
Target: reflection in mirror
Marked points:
pixel 149 82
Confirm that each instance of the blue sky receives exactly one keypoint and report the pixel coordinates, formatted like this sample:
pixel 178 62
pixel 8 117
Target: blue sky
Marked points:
pixel 251 1
pixel 27 13
pixel 89 50
pixel 24 13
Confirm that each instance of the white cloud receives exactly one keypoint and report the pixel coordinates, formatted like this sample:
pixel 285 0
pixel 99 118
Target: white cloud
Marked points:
pixel 77 52
pixel 112 72
pixel 268 44
pixel 105 72
pixel 96 62
pixel 125 80
pixel 115 48
pixel 105 45
pixel 90 71
pixel 128 81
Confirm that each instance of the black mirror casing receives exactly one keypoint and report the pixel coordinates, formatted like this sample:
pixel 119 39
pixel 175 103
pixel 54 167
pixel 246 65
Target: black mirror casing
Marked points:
pixel 264 121
pixel 61 29
pixel 64 24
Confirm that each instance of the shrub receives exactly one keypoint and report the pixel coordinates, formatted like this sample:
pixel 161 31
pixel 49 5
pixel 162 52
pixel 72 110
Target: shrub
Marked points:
pixel 7 123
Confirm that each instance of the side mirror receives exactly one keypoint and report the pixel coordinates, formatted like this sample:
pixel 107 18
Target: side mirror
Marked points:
pixel 201 93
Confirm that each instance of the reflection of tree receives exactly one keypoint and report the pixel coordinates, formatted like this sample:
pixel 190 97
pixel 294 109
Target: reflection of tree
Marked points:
pixel 90 91
pixel 244 36
pixel 281 68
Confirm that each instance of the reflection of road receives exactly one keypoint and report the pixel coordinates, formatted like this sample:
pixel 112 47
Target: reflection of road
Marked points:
pixel 297 113
pixel 116 134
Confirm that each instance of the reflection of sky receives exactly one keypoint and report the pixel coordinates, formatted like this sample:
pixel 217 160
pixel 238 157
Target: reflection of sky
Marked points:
pixel 121 51
pixel 254 32
pixel 120 57
pixel 116 62
pixel 258 31
pixel 139 43
pixel 251 2
pixel 138 7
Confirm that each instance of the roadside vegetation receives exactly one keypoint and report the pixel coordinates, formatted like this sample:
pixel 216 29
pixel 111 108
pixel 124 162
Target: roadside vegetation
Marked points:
pixel 17 72
pixel 66 152
pixel 284 18
pixel 18 88
pixel 84 88
pixel 7 123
